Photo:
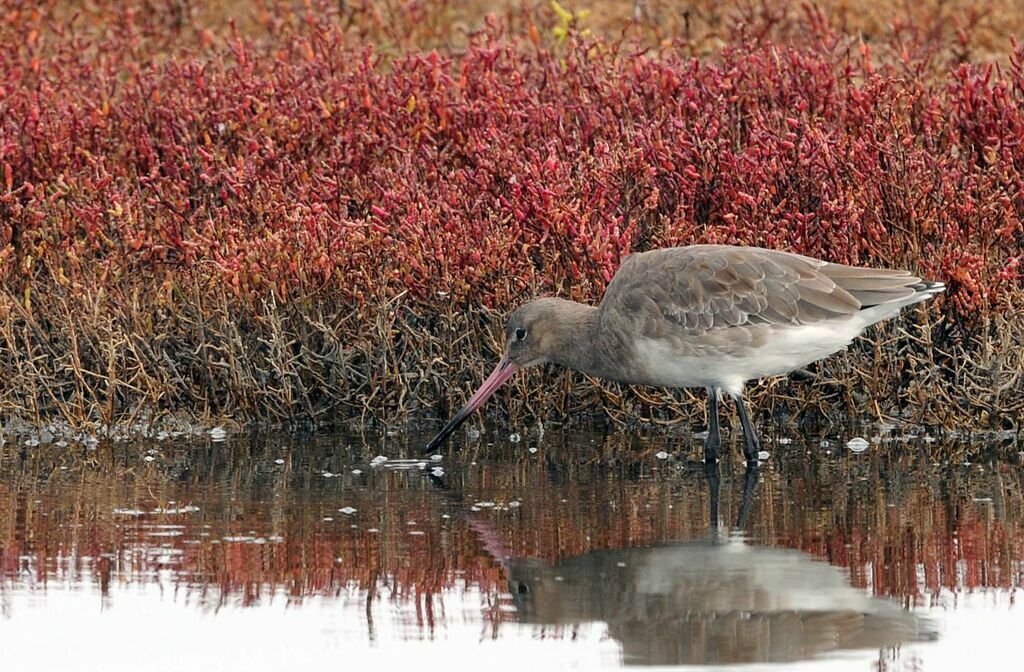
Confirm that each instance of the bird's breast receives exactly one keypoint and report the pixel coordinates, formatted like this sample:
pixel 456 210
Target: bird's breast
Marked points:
pixel 666 363
pixel 727 358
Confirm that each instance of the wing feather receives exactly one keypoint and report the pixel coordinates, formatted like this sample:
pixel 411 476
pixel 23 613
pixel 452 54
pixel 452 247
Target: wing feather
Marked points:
pixel 706 287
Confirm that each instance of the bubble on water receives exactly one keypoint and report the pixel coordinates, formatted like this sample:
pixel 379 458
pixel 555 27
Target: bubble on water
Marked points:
pixel 661 455
pixel 763 455
pixel 348 510
pixel 327 519
pixel 129 512
pixel 824 443
pixel 279 460
pixel 785 441
pixel 533 450
pixel 513 504
pixel 514 437
pixel 620 564
pixel 149 458
pixel 417 533
pixel 218 434
pixel 437 471
pixel 857 445
pixel 380 459
pixel 357 471
pixel 328 474
pixel 436 458
pixel 188 508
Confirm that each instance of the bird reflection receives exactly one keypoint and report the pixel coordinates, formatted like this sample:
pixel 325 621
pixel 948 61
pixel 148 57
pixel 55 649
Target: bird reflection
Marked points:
pixel 715 601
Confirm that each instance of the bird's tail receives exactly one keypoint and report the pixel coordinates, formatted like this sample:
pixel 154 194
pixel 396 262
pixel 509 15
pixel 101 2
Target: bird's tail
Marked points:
pixel 923 291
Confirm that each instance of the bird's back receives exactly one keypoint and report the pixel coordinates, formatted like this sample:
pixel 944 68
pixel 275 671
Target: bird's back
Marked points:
pixel 711 303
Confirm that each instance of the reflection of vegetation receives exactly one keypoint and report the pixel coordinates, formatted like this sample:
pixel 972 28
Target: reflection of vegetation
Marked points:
pixel 261 526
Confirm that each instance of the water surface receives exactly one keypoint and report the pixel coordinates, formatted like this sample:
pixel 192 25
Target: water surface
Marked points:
pixel 568 550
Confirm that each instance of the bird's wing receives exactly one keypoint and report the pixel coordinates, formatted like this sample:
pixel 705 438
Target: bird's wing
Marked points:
pixel 704 287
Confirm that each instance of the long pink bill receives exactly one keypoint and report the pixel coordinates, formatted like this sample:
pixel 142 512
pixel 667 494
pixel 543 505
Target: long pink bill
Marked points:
pixel 501 373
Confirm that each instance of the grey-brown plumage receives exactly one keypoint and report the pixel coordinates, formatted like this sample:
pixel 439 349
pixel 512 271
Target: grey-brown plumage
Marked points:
pixel 704 287
pixel 711 316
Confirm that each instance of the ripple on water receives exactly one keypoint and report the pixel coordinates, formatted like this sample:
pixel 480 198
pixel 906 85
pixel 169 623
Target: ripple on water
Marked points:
pixel 571 558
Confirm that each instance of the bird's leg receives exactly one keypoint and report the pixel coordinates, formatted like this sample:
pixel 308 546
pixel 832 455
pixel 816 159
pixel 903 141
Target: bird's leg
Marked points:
pixel 751 444
pixel 749 487
pixel 714 439
pixel 713 475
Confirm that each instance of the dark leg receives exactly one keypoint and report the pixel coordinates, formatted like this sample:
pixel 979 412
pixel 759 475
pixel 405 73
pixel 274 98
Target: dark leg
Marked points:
pixel 749 487
pixel 714 440
pixel 713 476
pixel 751 444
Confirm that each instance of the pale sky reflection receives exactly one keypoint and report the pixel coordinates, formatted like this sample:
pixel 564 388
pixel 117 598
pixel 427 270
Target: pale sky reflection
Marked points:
pixel 145 626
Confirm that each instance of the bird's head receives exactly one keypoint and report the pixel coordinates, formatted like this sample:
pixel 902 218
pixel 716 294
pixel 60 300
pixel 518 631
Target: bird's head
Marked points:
pixel 539 331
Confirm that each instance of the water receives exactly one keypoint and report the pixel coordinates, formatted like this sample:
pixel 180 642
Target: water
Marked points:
pixel 271 553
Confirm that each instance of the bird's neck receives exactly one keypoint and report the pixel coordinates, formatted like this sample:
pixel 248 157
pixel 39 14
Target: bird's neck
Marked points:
pixel 578 333
pixel 585 345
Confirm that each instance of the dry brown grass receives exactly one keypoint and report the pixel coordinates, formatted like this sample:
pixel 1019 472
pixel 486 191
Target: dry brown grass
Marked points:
pixel 123 356
pixel 958 30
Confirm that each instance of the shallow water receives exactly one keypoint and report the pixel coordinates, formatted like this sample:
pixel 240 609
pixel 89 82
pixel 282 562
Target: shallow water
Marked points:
pixel 262 553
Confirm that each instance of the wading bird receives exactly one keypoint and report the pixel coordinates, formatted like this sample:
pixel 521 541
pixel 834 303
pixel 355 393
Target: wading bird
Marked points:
pixel 712 316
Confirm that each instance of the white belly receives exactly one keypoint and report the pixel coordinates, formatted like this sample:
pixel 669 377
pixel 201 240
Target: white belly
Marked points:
pixel 667 364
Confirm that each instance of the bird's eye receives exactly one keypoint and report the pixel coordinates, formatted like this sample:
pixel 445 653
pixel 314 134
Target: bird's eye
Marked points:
pixel 520 334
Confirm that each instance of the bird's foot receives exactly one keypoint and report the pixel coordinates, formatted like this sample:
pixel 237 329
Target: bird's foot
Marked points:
pixel 751 450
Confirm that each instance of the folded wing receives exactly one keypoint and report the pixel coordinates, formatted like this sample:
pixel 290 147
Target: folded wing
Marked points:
pixel 705 287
